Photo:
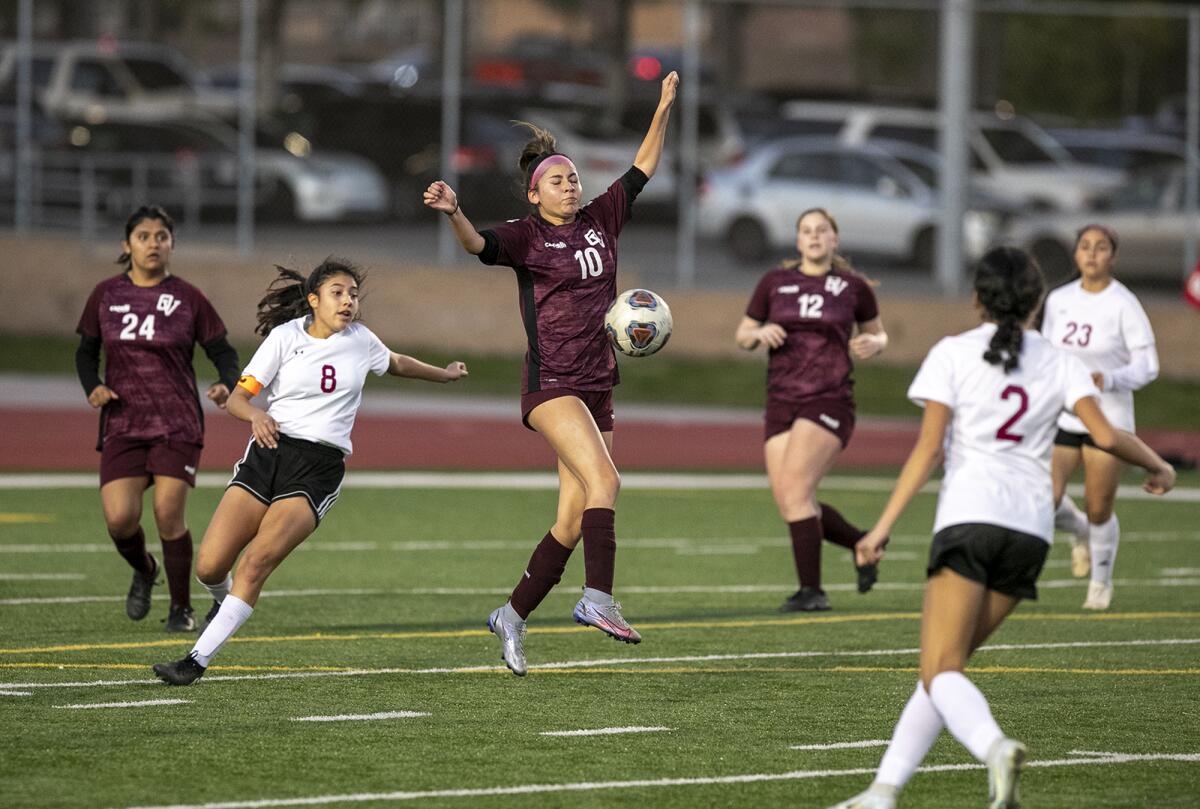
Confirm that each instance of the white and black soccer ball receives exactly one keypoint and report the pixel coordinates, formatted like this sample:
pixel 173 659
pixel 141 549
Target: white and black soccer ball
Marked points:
pixel 638 322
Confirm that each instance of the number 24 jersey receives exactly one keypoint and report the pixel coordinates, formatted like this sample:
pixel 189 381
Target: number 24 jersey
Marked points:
pixel 1001 434
pixel 314 386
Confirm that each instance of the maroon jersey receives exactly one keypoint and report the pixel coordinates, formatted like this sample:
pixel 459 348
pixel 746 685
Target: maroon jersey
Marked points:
pixel 148 334
pixel 818 313
pixel 567 279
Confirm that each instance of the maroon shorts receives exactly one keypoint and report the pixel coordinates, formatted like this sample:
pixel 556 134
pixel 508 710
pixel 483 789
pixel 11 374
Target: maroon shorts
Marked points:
pixel 598 402
pixel 139 457
pixel 835 415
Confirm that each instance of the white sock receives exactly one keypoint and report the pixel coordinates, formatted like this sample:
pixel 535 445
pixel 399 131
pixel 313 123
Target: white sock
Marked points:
pixel 965 711
pixel 918 728
pixel 220 590
pixel 228 620
pixel 511 615
pixel 1104 539
pixel 1068 517
pixel 598 596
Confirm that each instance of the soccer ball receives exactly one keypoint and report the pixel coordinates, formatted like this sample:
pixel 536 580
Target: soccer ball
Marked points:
pixel 638 323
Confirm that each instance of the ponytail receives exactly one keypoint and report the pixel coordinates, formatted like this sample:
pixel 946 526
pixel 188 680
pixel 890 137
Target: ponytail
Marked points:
pixel 287 296
pixel 1009 286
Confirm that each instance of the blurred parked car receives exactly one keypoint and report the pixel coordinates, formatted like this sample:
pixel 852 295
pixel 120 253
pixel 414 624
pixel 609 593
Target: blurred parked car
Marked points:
pixel 95 80
pixel 1121 149
pixel 883 208
pixel 1147 214
pixel 1014 159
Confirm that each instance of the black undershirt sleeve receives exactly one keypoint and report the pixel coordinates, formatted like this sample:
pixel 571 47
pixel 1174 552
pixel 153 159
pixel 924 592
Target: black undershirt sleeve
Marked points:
pixel 87 363
pixel 225 358
pixel 491 247
pixel 634 181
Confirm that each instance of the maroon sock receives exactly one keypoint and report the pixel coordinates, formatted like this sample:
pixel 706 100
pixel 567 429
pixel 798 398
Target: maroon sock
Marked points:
pixel 133 550
pixel 837 529
pixel 544 570
pixel 806 548
pixel 599 548
pixel 177 559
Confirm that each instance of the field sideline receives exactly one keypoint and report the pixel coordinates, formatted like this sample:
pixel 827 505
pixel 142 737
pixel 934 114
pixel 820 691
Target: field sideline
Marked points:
pixel 366 676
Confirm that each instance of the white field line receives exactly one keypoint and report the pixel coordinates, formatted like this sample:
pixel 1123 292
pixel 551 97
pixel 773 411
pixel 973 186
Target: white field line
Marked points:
pixel 594 786
pixel 549 480
pixel 16 693
pixel 1049 584
pixel 361 717
pixel 1180 571
pixel 142 704
pixel 42 577
pixel 618 661
pixel 603 731
pixel 840 745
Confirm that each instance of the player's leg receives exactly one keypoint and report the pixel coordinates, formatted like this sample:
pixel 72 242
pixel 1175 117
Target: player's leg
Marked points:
pixel 121 500
pixel 170 506
pixel 1067 516
pixel 233 525
pixel 796 461
pixel 1102 474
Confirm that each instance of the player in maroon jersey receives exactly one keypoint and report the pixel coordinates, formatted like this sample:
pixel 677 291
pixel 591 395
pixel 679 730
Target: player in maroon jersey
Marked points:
pixel 805 311
pixel 147 321
pixel 565 256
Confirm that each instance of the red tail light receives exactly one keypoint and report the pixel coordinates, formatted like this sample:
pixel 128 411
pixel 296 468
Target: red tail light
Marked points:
pixel 500 72
pixel 474 158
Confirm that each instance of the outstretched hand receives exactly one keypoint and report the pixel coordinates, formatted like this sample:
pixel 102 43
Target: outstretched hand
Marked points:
pixel 456 370
pixel 441 197
pixel 669 85
pixel 1162 481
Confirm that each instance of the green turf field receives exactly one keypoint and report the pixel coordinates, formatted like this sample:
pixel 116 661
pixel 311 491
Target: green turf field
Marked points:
pixel 383 610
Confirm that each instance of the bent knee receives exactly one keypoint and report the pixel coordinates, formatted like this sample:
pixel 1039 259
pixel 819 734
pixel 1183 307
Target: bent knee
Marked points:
pixel 210 570
pixel 1100 512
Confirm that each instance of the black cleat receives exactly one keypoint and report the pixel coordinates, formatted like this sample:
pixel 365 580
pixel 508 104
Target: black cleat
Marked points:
pixel 212 613
pixel 181 672
pixel 806 599
pixel 181 619
pixel 137 602
pixel 867 576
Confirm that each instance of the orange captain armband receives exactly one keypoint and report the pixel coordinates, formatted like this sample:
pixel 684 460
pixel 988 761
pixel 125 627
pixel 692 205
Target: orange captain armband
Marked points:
pixel 252 385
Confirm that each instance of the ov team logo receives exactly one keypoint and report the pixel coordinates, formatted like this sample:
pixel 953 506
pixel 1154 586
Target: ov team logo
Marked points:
pixel 167 304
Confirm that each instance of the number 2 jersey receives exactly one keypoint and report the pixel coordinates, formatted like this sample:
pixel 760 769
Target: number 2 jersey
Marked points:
pixel 148 335
pixel 818 312
pixel 1001 434
pixel 1103 329
pixel 314 386
pixel 566 280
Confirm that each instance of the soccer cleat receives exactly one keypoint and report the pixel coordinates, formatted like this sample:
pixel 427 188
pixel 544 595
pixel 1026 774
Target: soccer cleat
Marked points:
pixel 607 618
pixel 212 613
pixel 806 599
pixel 181 619
pixel 867 576
pixel 1004 763
pixel 137 602
pixel 1081 559
pixel 512 640
pixel 181 672
pixel 874 798
pixel 1099 596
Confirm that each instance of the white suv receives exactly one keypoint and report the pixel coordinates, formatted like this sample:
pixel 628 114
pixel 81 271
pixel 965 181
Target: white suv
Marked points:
pixel 1013 159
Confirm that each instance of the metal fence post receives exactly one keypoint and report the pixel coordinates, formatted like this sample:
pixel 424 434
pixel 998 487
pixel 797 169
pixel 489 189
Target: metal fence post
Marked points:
pixel 1192 186
pixel 954 88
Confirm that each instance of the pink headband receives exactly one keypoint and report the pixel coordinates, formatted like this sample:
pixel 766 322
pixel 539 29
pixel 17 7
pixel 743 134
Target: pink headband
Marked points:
pixel 544 166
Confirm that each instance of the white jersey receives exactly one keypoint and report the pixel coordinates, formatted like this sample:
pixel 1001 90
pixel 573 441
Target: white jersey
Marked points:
pixel 1102 329
pixel 1001 434
pixel 314 387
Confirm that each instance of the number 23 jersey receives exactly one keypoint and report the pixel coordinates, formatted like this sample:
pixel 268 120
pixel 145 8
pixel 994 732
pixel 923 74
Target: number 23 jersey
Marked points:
pixel 314 386
pixel 1001 433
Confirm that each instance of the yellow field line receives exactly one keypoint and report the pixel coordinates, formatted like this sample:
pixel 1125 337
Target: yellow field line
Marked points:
pixel 13 518
pixel 564 630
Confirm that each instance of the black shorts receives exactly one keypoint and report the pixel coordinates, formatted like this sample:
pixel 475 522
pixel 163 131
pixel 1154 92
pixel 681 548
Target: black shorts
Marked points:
pixel 1000 559
pixel 296 468
pixel 1074 440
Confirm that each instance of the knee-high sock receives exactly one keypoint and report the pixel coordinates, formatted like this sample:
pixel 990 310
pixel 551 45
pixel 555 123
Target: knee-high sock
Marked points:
pixel 1068 517
pixel 965 711
pixel 806 550
pixel 133 550
pixel 1103 540
pixel 918 728
pixel 219 590
pixel 837 529
pixel 228 620
pixel 177 559
pixel 544 570
pixel 599 548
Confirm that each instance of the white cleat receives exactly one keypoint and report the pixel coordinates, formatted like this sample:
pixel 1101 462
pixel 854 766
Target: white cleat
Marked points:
pixel 1099 596
pixel 1081 559
pixel 1004 763
pixel 512 640
pixel 877 797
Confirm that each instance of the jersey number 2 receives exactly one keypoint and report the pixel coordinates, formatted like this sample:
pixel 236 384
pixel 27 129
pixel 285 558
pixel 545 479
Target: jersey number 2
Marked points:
pixel 328 379
pixel 1003 433
pixel 131 330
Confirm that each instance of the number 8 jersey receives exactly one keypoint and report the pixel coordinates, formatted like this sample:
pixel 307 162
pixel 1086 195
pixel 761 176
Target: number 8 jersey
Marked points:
pixel 1001 434
pixel 314 386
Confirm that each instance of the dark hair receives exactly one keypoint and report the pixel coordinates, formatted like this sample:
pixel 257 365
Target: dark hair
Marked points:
pixel 1009 286
pixel 1108 232
pixel 136 218
pixel 287 296
pixel 838 261
pixel 542 144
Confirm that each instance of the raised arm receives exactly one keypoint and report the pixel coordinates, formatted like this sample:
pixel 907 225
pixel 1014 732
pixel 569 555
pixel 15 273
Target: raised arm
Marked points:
pixel 441 197
pixel 652 146
pixel 412 368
